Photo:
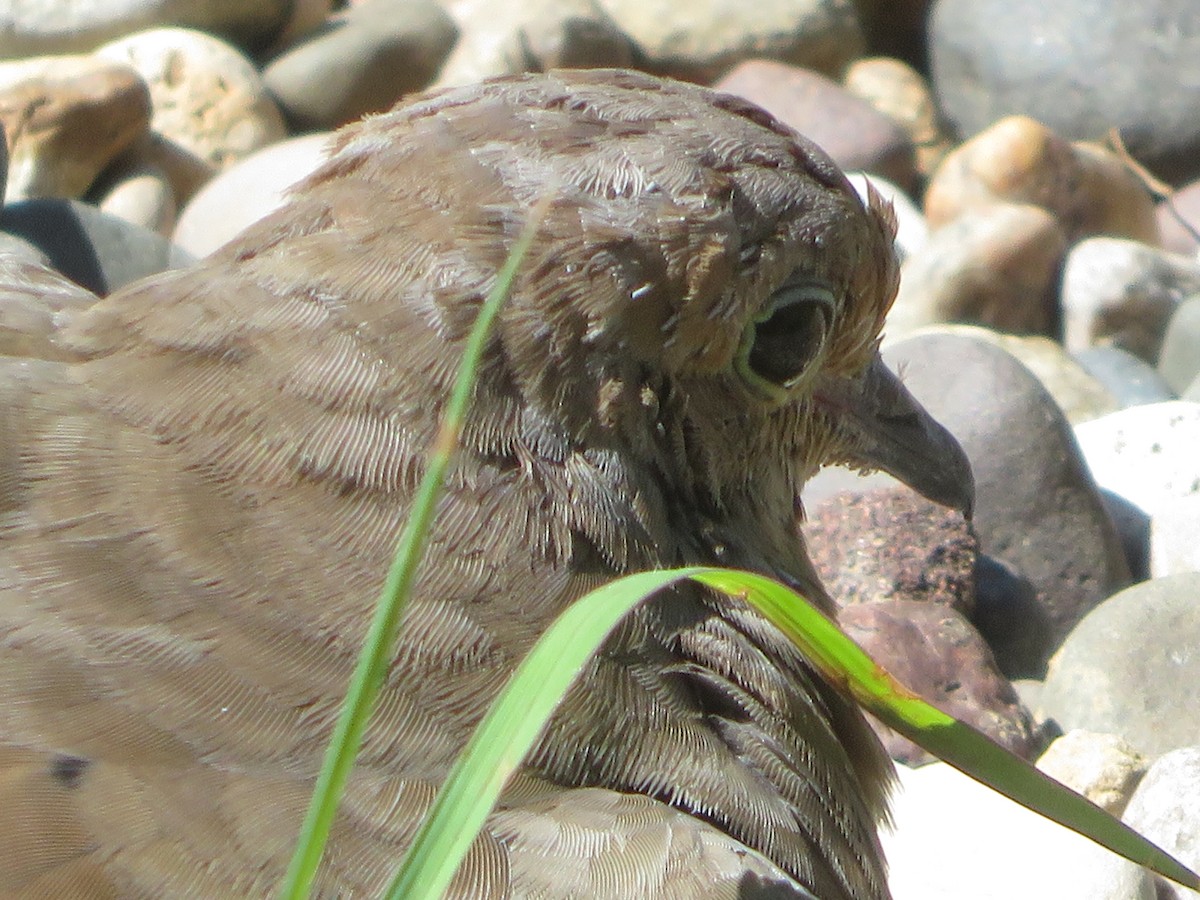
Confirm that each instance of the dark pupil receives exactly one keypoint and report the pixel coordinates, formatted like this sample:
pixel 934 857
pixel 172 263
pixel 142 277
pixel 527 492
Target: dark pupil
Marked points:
pixel 787 341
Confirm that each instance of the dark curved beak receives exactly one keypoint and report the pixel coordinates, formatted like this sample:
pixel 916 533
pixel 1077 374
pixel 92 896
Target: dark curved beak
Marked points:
pixel 893 432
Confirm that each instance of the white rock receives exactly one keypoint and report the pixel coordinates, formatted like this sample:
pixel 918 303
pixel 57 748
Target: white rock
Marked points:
pixel 956 839
pixel 1149 455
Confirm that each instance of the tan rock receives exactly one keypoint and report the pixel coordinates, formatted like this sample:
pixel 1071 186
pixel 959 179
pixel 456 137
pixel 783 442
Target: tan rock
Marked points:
pixel 899 92
pixel 996 266
pixel 66 118
pixel 1114 201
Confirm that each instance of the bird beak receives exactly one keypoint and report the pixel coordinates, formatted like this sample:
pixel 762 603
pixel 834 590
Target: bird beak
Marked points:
pixel 893 432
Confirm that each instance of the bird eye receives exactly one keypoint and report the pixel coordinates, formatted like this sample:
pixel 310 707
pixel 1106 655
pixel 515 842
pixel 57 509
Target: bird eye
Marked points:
pixel 780 345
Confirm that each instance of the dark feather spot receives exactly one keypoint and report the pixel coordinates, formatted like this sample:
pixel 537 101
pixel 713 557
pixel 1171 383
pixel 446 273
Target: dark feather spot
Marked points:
pixel 69 770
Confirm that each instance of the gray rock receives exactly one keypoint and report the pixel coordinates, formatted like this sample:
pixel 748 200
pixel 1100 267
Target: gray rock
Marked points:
pixel 1037 509
pixel 95 250
pixel 1124 293
pixel 360 62
pixel 72 26
pixel 1179 359
pixel 1079 66
pixel 140 193
pixel 1129 379
pixel 700 42
pixel 1166 809
pixel 1131 667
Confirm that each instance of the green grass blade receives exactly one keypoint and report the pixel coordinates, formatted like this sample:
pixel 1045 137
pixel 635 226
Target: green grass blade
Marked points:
pixel 521 712
pixel 377 649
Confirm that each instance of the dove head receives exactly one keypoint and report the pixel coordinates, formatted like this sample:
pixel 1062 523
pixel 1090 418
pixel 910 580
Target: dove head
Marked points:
pixel 704 295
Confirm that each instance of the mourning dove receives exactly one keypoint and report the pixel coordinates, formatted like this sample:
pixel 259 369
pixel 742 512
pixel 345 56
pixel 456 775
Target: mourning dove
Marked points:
pixel 203 476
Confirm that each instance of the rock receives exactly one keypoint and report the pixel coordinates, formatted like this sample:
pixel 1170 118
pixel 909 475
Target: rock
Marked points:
pixel 502 37
pixel 207 96
pixel 1037 509
pixel 892 545
pixel 1113 201
pixel 1130 380
pixel 1102 767
pixel 935 652
pixel 702 41
pixel 1080 66
pixel 1079 394
pixel 93 249
pixel 955 838
pixel 846 127
pixel 1146 454
pixel 900 93
pixel 140 194
pixel 896 28
pixel 997 265
pixel 1179 358
pixel 1018 160
pixel 1166 809
pixel 911 230
pixel 246 192
pixel 185 171
pixel 1175 235
pixel 1124 293
pixel 362 62
pixel 32 29
pixel 1173 544
pixel 1130 667
pixel 67 117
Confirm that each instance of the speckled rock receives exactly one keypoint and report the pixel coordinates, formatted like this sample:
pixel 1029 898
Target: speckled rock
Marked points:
pixel 899 92
pixel 892 545
pixel 207 96
pixel 1102 767
pixel 1018 160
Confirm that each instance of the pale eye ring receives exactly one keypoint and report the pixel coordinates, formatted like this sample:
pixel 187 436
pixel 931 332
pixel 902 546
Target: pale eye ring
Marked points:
pixel 780 345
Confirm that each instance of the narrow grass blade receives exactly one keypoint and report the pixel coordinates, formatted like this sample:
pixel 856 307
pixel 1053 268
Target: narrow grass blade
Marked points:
pixel 377 649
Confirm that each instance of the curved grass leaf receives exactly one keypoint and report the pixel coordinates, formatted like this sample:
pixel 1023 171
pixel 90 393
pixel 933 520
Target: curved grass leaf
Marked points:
pixel 523 708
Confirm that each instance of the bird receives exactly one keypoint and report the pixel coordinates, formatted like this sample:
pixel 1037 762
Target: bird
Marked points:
pixel 203 476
